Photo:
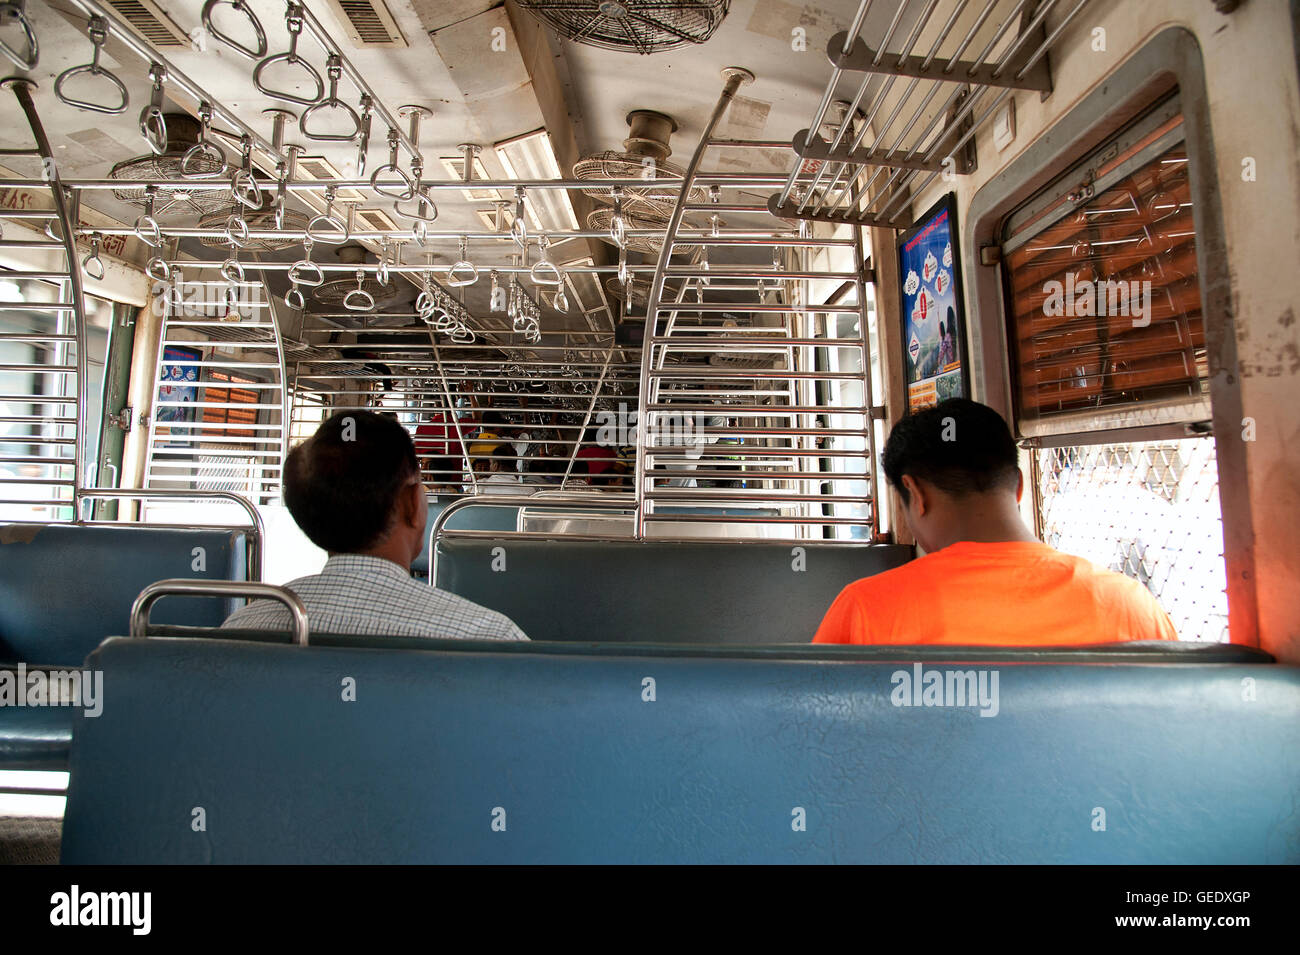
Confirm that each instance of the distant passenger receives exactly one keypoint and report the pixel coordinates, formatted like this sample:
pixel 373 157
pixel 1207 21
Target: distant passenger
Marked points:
pixel 985 579
pixel 598 457
pixel 354 489
pixel 501 477
pixel 445 474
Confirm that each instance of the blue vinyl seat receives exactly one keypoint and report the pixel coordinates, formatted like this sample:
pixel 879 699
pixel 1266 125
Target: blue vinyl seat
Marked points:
pixel 659 591
pixel 560 753
pixel 64 587
pixel 470 519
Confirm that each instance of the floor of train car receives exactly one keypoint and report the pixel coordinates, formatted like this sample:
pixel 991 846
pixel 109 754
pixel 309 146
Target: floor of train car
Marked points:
pixel 30 840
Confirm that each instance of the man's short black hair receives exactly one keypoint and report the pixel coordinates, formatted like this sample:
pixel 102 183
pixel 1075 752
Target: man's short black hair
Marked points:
pixel 341 484
pixel 959 445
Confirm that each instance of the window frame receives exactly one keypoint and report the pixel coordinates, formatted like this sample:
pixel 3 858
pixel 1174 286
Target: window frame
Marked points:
pixel 1169 60
pixel 1151 419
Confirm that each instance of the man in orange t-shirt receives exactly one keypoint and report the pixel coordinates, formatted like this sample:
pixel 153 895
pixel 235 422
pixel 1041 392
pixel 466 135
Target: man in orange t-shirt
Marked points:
pixel 985 579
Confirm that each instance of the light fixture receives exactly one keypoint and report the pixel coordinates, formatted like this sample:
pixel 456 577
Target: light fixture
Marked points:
pixel 532 157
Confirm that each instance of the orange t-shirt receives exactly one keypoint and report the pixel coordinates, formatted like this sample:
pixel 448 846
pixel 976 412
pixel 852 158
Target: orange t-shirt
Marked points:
pixel 1008 593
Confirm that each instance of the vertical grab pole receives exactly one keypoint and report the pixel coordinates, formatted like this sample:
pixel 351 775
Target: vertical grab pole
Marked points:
pixel 868 402
pixel 452 418
pixel 586 420
pixel 735 77
pixel 21 87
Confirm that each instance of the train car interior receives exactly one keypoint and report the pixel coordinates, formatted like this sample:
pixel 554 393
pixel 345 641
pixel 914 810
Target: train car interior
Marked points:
pixel 649 285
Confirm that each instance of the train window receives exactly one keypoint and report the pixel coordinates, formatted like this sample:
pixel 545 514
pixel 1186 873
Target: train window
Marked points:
pixel 1107 336
pixel 223 405
pixel 1107 309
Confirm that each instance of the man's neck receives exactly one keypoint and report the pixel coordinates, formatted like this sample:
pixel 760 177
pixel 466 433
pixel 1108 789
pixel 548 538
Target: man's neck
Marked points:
pixel 389 551
pixel 982 520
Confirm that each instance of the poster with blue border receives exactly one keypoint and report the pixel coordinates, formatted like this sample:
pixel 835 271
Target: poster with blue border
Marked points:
pixel 934 314
pixel 177 383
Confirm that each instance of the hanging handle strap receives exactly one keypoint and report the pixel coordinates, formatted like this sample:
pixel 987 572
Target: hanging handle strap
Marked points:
pixel 240 7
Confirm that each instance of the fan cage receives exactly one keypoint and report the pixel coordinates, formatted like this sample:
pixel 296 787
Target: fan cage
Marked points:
pixel 652 201
pixel 262 221
pixel 150 168
pixel 640 26
pixel 333 293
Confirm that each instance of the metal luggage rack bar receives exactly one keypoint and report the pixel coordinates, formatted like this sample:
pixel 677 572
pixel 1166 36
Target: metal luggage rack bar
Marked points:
pixel 1007 61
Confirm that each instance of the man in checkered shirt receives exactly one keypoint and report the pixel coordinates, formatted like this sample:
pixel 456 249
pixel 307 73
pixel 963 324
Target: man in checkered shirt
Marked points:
pixel 354 489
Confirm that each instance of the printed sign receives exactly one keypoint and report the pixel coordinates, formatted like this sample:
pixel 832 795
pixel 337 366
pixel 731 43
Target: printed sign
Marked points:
pixel 934 316
pixel 176 384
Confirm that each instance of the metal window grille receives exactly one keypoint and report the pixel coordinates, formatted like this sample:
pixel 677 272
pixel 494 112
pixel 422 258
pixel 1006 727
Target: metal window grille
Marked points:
pixel 1148 509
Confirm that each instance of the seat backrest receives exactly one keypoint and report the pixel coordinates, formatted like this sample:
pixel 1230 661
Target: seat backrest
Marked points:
pixel 64 587
pixel 659 591
pixel 536 754
pixel 469 519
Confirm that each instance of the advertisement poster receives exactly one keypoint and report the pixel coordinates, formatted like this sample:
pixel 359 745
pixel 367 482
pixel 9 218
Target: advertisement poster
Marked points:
pixel 934 320
pixel 176 383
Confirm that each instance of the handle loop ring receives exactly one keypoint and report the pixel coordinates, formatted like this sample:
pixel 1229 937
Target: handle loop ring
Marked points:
pixel 153 124
pixel 292 22
pixel 28 60
pixel 237 231
pixel 334 70
pixel 157 269
pixel 240 7
pixel 91 263
pixel 359 300
pixel 97 30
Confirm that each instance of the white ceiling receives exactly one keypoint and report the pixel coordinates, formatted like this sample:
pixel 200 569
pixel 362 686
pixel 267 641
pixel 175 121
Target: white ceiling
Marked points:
pixel 476 94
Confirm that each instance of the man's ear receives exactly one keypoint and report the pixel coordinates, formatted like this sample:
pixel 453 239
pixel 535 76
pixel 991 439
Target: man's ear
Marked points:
pixel 1020 485
pixel 412 504
pixel 916 495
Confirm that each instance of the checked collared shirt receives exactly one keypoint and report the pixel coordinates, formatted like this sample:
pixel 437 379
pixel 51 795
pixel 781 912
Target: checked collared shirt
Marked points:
pixel 357 594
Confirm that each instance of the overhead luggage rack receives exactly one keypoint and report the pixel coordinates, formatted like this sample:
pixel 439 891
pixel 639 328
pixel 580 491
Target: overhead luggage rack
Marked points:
pixel 915 112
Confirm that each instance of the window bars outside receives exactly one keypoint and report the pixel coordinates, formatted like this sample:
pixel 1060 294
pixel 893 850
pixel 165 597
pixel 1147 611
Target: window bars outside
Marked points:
pixel 1147 509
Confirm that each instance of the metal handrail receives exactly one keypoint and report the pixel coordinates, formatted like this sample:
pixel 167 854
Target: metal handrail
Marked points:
pixel 606 501
pixel 253 548
pixel 180 587
pixel 613 501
